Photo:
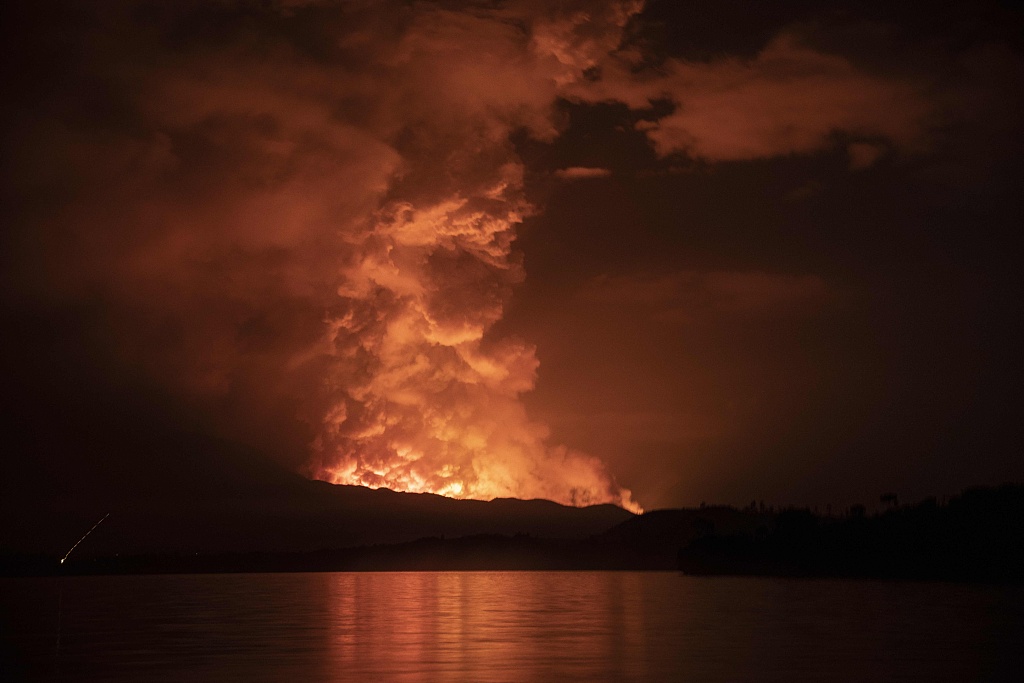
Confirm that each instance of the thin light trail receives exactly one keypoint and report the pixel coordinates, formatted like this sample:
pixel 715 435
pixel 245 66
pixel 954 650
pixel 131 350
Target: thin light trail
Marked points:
pixel 84 537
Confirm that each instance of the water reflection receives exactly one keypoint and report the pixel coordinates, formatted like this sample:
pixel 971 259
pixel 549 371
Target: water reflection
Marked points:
pixel 487 626
pixel 516 626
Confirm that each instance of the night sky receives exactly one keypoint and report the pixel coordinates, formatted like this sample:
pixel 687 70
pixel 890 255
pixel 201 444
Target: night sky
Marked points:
pixel 586 251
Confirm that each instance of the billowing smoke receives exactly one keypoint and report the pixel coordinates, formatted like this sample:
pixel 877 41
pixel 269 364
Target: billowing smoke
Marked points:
pixel 422 397
pixel 424 400
pixel 305 214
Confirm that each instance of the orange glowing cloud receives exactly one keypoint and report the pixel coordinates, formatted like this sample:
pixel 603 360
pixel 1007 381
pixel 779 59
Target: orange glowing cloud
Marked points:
pixel 283 227
pixel 424 398
pixel 790 99
pixel 582 173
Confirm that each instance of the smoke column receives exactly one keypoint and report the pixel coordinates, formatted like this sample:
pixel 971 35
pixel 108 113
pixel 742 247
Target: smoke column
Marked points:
pixel 424 399
pixel 294 222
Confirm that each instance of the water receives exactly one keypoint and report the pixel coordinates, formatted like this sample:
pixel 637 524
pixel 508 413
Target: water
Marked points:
pixel 498 626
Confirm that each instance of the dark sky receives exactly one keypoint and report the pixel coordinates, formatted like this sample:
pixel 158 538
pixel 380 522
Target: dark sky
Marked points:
pixel 588 251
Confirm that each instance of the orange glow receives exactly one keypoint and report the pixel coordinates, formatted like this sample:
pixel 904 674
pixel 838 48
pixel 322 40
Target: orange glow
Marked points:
pixel 425 402
pixel 421 394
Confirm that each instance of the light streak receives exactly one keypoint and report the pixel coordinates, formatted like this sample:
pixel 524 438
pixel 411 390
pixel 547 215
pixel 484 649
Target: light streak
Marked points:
pixel 83 537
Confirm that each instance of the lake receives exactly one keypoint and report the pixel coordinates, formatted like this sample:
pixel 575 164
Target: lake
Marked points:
pixel 506 626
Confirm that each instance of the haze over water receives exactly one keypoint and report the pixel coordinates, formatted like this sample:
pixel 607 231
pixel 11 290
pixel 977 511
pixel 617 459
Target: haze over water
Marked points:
pixel 506 626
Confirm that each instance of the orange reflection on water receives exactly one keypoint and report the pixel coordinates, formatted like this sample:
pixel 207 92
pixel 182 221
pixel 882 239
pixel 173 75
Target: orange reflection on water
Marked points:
pixel 485 626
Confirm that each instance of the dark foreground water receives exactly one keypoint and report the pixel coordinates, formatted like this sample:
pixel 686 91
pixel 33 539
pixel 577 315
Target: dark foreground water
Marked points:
pixel 496 626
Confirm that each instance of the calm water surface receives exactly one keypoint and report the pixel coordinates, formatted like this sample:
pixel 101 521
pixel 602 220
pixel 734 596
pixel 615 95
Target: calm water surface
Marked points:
pixel 496 626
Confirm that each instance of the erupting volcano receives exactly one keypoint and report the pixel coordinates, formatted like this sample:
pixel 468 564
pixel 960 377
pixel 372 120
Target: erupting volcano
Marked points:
pixel 598 252
pixel 424 401
pixel 420 396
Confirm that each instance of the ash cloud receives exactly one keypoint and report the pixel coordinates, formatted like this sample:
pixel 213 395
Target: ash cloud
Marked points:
pixel 788 99
pixel 299 220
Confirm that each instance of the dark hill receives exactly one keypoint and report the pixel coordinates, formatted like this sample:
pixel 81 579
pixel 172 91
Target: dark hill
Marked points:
pixel 186 493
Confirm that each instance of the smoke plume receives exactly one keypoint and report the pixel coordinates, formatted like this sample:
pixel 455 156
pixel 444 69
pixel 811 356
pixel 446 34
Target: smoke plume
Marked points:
pixel 422 397
pixel 305 213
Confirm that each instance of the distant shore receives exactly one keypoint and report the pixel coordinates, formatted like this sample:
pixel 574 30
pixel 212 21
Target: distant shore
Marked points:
pixel 977 536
